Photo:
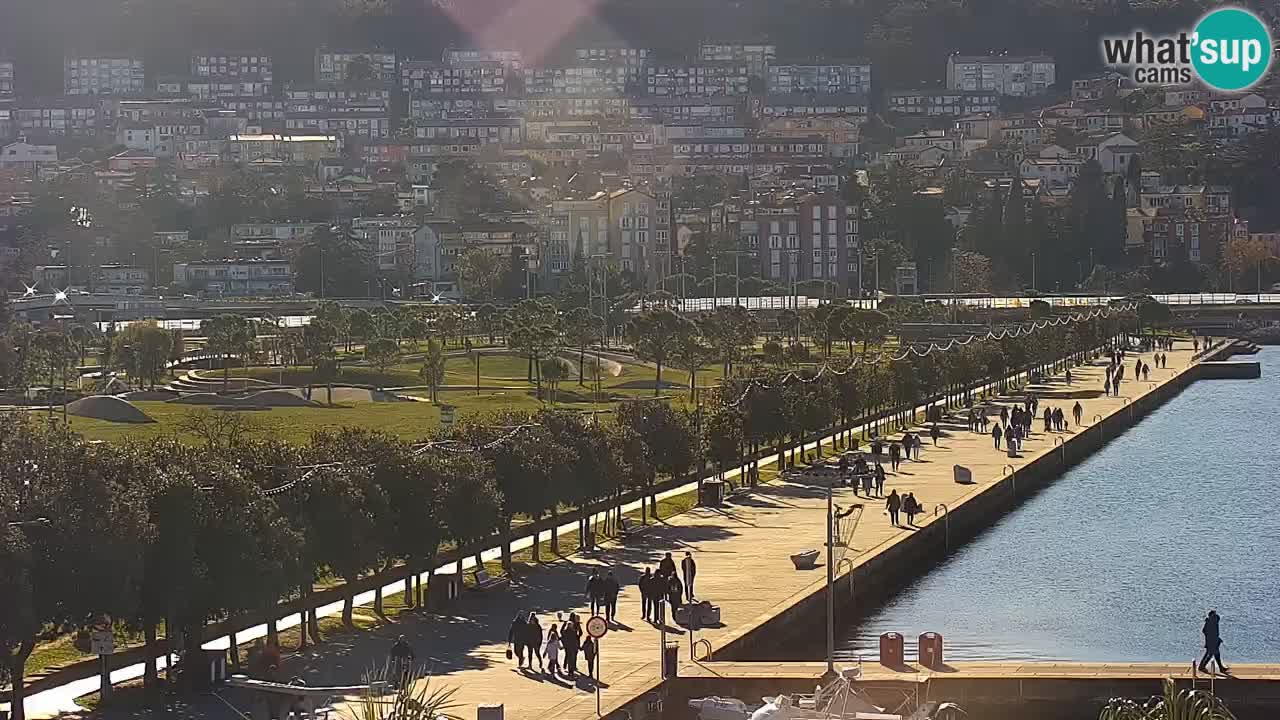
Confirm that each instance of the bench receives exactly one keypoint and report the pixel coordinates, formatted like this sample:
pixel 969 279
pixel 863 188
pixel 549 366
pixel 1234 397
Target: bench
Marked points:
pixel 485 581
pixel 625 527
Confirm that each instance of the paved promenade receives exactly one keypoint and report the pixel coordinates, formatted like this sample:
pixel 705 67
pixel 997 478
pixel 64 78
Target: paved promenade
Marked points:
pixel 743 566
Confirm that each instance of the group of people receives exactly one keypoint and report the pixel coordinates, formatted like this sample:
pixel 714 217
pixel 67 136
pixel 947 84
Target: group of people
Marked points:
pixel 1016 426
pixel 602 594
pixel 525 640
pixel 899 505
pixel 1056 420
pixel 662 587
pixel 870 478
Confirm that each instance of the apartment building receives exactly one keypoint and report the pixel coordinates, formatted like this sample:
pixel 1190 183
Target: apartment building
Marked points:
pixel 6 78
pixel 513 59
pixel 845 78
pixel 118 75
pixel 352 121
pixel 314 98
pixel 200 88
pixel 334 66
pixel 305 150
pixel 487 130
pixel 943 103
pixel 123 280
pixel 431 78
pixel 249 66
pixel 757 56
pixel 580 80
pixel 388 240
pixel 814 106
pixel 71 116
pixel 498 238
pixel 235 277
pixel 803 236
pixel 1214 200
pixel 707 79
pixel 1015 76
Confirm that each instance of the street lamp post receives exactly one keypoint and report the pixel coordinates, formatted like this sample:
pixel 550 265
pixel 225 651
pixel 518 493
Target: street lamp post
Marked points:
pixel 831 582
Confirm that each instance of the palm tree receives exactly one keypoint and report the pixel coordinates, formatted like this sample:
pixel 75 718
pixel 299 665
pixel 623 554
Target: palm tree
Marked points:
pixel 1172 704
pixel 229 336
pixel 581 328
pixel 413 697
pixel 433 367
pixel 652 333
pixel 554 370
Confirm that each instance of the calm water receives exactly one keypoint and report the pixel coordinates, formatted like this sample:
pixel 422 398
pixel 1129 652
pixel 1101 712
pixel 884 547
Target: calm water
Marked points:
pixel 1120 559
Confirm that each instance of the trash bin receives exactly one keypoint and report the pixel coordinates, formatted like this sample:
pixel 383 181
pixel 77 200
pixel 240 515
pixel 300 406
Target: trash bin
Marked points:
pixel 670 660
pixel 891 653
pixel 712 493
pixel 490 712
pixel 929 650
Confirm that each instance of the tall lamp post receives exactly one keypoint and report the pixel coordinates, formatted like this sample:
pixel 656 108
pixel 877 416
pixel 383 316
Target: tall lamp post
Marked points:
pixel 831 582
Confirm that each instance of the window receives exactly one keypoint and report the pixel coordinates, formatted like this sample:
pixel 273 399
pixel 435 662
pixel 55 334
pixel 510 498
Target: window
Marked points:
pixel 817 212
pixel 817 226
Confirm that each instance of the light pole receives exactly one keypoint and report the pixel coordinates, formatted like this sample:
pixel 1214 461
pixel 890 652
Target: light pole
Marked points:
pixel 831 582
pixel 1033 271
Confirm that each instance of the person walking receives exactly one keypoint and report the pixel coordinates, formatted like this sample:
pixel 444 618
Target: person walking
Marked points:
pixel 996 434
pixel 595 592
pixel 402 658
pixel 911 508
pixel 934 432
pixel 533 641
pixel 1059 419
pixel 515 638
pixel 1004 415
pixel 1146 372
pixel 895 456
pixel 589 653
pixel 689 571
pixel 645 583
pixel 1068 376
pixel 894 506
pixel 657 598
pixel 571 640
pixel 1106 385
pixel 1212 643
pixel 1048 419
pixel 551 651
pixel 1078 411
pixel 879 480
pixel 610 588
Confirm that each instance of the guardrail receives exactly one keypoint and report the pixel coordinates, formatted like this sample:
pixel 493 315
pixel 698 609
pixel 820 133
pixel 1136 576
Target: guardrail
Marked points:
pixel 946 524
pixel 694 653
pixel 1013 475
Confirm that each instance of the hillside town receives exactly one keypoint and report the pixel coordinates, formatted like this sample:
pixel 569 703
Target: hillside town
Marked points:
pixel 482 174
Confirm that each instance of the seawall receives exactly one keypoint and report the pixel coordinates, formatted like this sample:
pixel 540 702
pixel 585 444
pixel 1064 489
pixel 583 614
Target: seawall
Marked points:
pixel 879 572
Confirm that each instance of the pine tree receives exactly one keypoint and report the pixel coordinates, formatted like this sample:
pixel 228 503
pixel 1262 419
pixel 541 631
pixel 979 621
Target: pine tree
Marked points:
pixel 1115 249
pixel 1013 254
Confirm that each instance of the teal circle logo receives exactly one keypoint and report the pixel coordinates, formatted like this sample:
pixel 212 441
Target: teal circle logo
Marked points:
pixel 1231 49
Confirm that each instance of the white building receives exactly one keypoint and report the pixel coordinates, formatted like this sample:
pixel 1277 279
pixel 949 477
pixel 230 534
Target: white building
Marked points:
pixel 235 277
pixel 6 78
pixel 255 66
pixel 103 76
pixel 25 156
pixel 122 280
pixel 389 239
pixel 1016 76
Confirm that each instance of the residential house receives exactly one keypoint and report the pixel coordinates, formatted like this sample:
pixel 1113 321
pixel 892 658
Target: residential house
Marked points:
pixel 235 277
pixel 943 103
pixel 1214 200
pixel 1016 76
pixel 1188 233
pixel 301 97
pixel 333 66
pixel 25 156
pixel 1054 172
pixel 664 109
pixel 1113 152
pixel 844 78
pixel 1170 115
pixel 132 160
pixel 111 75
pixel 1181 95
pixel 1237 123
pixel 1097 87
pixel 634 59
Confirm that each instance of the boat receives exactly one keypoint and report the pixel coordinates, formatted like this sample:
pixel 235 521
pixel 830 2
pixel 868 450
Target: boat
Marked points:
pixel 839 700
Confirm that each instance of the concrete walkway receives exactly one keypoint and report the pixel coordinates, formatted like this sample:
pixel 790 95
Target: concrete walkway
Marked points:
pixel 742 552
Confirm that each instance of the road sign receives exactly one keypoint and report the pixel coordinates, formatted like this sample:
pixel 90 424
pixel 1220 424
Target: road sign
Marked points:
pixel 102 642
pixel 597 627
pixel 447 414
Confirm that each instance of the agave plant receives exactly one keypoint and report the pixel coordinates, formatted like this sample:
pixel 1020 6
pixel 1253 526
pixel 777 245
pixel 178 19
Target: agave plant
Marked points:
pixel 392 695
pixel 1172 704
